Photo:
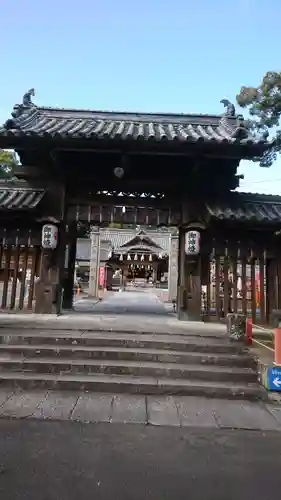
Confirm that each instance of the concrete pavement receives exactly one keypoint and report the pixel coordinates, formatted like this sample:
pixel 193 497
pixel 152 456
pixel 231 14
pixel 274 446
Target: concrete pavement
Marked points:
pixel 68 461
pixel 134 302
pixel 134 311
pixel 176 411
pixel 134 323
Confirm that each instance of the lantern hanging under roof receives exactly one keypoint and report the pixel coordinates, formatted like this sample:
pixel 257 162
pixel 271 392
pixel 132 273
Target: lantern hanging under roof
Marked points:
pixel 150 258
pixel 121 257
pixel 160 255
pixel 129 257
pixel 142 258
pixel 136 257
pixel 192 242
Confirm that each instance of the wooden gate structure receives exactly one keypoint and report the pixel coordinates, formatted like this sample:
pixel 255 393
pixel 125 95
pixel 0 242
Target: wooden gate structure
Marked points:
pixel 92 168
pixel 20 247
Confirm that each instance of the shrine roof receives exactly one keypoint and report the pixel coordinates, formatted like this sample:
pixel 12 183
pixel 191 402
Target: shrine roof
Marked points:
pixel 247 207
pixel 29 120
pixel 120 238
pixel 19 198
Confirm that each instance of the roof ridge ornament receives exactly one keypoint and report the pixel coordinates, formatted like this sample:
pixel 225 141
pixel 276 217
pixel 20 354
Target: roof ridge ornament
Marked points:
pixel 26 100
pixel 238 130
pixel 19 109
pixel 230 108
pixel 241 131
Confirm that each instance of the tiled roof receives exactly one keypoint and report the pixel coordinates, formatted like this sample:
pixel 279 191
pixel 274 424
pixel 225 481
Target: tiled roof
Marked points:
pixel 141 240
pixel 141 247
pixel 112 237
pixel 12 198
pixel 247 207
pixel 85 124
pixel 118 237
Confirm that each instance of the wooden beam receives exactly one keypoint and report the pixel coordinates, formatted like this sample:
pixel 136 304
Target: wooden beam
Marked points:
pixel 219 150
pixel 127 201
pixel 24 172
pixel 99 215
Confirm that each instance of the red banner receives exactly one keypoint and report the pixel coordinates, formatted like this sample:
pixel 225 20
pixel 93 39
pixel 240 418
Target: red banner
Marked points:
pixel 101 277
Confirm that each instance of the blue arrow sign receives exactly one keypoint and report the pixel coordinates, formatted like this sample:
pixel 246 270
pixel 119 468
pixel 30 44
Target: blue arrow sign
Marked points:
pixel 274 378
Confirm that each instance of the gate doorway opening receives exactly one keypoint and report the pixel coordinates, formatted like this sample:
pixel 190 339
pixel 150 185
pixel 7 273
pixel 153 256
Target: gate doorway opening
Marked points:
pixel 132 261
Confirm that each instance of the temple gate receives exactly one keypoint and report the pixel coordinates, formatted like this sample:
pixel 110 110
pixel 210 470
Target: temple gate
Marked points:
pixel 91 168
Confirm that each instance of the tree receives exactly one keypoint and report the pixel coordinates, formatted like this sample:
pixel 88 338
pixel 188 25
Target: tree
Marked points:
pixel 8 164
pixel 264 105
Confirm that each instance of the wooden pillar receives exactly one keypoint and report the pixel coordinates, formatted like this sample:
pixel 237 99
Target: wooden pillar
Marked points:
pixel 94 263
pixel 271 287
pixel 193 288
pixel 70 257
pixel 205 276
pixel 44 287
pixel 52 263
pixel 109 277
pixel 181 278
pixel 173 266
pixel 189 267
pixel 278 280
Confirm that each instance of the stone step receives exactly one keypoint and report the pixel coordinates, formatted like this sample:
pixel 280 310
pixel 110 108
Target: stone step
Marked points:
pixel 128 353
pixel 112 326
pixel 126 383
pixel 119 367
pixel 171 342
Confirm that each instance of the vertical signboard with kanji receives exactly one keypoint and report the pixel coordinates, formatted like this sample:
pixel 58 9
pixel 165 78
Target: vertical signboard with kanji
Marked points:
pixel 192 242
pixel 49 236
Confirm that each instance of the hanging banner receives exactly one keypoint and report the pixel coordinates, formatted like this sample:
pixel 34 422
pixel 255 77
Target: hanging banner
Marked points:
pixel 101 277
pixel 192 242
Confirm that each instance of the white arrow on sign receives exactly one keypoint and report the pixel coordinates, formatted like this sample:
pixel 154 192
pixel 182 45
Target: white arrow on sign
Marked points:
pixel 277 382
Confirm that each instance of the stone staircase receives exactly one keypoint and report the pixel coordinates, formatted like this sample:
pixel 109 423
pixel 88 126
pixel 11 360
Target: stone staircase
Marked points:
pixel 127 362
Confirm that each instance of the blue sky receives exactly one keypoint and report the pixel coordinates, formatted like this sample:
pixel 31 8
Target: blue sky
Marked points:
pixel 179 56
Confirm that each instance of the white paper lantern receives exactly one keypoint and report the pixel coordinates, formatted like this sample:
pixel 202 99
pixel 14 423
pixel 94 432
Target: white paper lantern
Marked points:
pixel 49 238
pixel 192 242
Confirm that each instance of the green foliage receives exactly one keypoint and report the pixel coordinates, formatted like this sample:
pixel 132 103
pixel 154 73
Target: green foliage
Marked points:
pixel 8 163
pixel 264 106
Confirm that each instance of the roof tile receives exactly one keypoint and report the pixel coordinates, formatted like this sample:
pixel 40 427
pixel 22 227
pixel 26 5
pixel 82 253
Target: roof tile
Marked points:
pixel 20 198
pixel 247 207
pixel 119 238
pixel 124 126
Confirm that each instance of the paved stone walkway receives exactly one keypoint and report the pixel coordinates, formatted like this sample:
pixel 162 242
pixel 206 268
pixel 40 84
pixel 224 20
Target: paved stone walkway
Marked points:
pixel 124 408
pixel 134 302
pixel 112 322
